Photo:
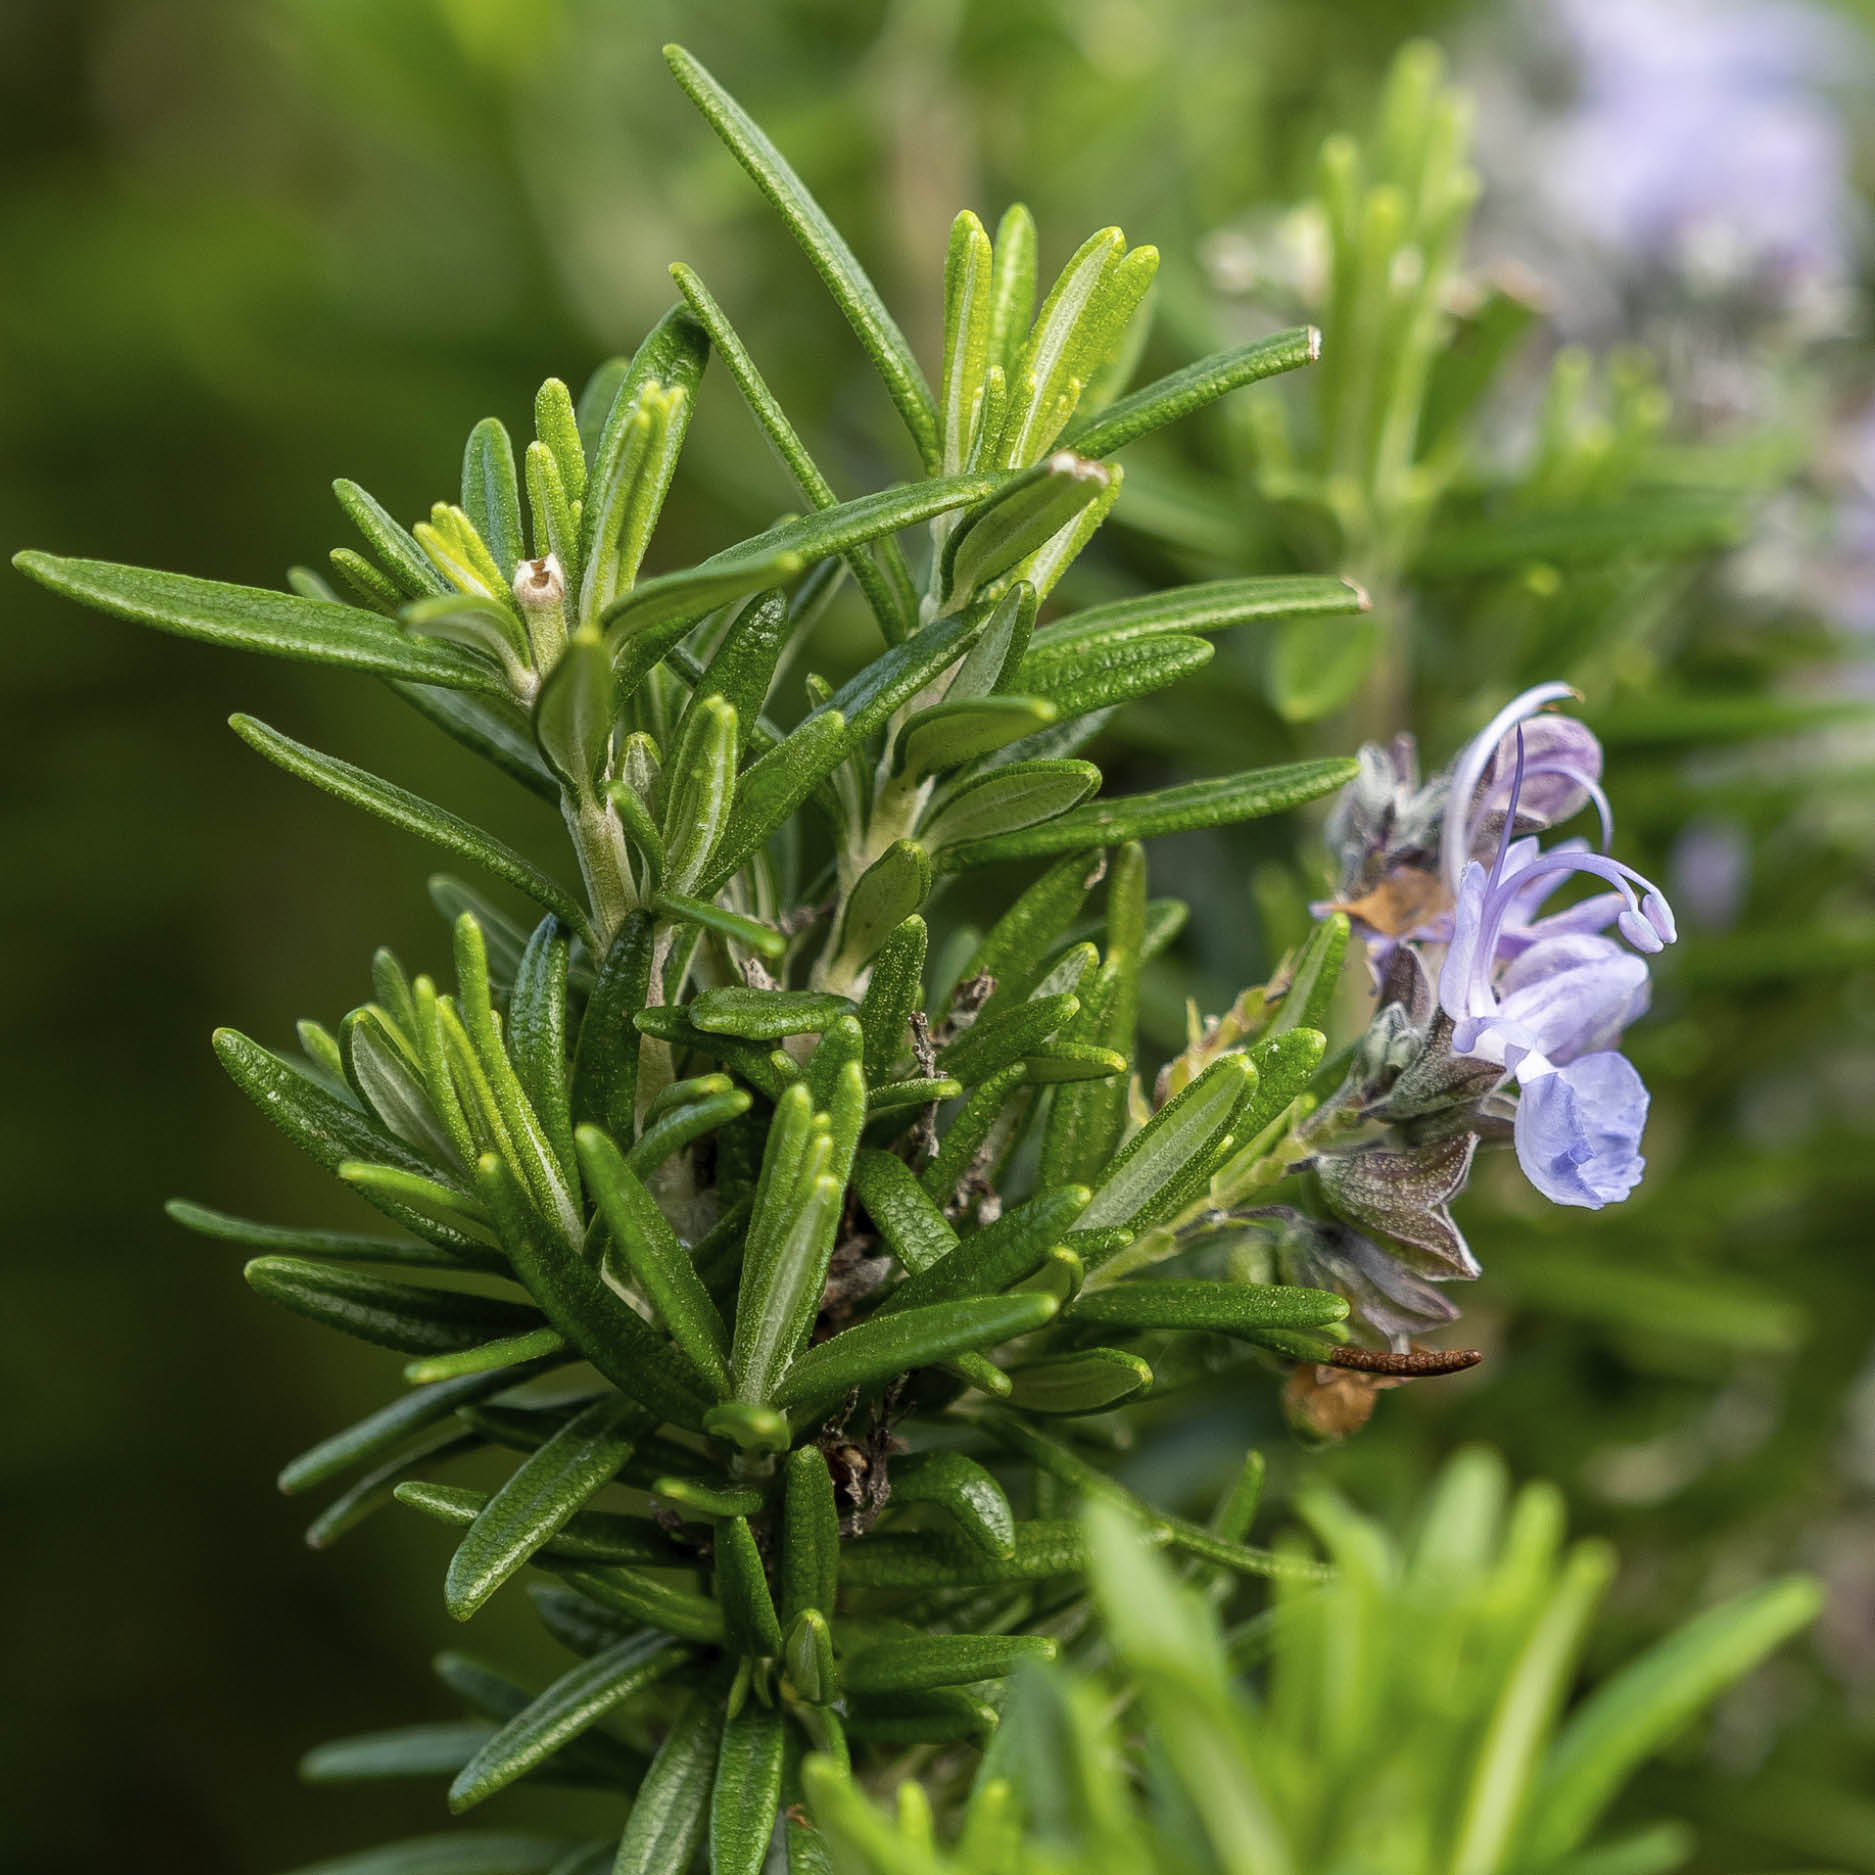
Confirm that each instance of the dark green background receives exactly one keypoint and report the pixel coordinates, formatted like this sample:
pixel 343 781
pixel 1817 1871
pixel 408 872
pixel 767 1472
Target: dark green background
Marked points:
pixel 253 244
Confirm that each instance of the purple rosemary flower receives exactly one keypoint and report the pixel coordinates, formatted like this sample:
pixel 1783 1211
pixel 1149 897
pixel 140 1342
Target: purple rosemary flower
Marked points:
pixel 1546 998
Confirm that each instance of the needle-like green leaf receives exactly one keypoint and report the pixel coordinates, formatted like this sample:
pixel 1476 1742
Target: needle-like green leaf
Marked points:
pixel 576 1299
pixel 747 1792
pixel 1214 803
pixel 539 1497
pixel 918 1661
pixel 832 259
pixel 412 813
pixel 249 618
pixel 671 1810
pixel 886 1345
pixel 1190 389
pixel 572 1703
pixel 659 1264
pixel 391 1314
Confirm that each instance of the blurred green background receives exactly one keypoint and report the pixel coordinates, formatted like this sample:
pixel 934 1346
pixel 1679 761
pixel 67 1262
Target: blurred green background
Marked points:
pixel 253 244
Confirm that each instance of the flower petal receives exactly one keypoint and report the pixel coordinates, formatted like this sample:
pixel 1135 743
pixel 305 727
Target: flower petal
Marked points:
pixel 1578 1131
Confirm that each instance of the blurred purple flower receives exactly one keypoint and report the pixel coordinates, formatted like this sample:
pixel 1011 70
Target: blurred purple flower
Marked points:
pixel 1697 148
pixel 1700 133
pixel 1710 867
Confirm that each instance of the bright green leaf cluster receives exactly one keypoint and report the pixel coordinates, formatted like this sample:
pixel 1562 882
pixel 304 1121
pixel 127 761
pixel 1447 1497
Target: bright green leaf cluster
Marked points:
pixel 1406 1715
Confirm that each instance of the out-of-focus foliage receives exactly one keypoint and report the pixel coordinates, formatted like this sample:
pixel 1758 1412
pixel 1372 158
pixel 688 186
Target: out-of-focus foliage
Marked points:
pixel 1403 1718
pixel 249 243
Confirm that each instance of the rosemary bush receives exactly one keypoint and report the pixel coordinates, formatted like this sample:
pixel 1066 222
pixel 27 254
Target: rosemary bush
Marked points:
pixel 840 1254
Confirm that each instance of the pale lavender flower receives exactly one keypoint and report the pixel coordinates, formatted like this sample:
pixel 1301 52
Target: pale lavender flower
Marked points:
pixel 1578 1130
pixel 1547 997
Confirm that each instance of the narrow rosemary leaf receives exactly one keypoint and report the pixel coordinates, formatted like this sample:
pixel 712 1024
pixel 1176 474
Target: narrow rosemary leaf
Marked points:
pixel 890 1097
pixel 413 814
pixel 328 1130
pixel 1180 1136
pixel 571 1704
pixel 766 1015
pixel 491 493
pixel 536 1345
pixel 1213 1307
pixel 742 1588
pixel 887 893
pixel 747 1792
pixel 538 1498
pixel 832 259
pixel 659 1264
pixel 1651 1698
pixel 968 1132
pixel 699 785
pixel 763 939
pixel 338 1245
pixel 601 1325
pixel 1020 794
pixel 394 544
pixel 1213 803
pixel 412 1751
pixel 919 1661
pixel 1036 1552
pixel 380 1432
pixel 807 1652
pixel 375 1489
pixel 881 589
pixel 644 1598
pixel 1088 1380
pixel 537 1041
pixel 853 523
pixel 992 1042
pixel 461 1852
pixel 886 1345
pixel 1081 677
pixel 1013 949
pixel 605 1059
pixel 491 726
pixel 1209 607
pixel 996 655
pixel 580 1625
pixel 1190 389
pixel 1313 977
pixel 655 607
pixel 893 991
pixel 965 1491
pixel 671 1131
pixel 587 1536
pixel 671 1810
pixel 939 1716
pixel 810 1535
pixel 997 1256
pixel 699 1501
pixel 951 733
pixel 391 1314
pixel 250 618
pixel 967 322
pixel 771 788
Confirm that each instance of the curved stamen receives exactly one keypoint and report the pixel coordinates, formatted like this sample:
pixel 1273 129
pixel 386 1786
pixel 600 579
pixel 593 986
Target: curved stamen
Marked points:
pixel 1647 923
pixel 1589 786
pixel 1468 771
